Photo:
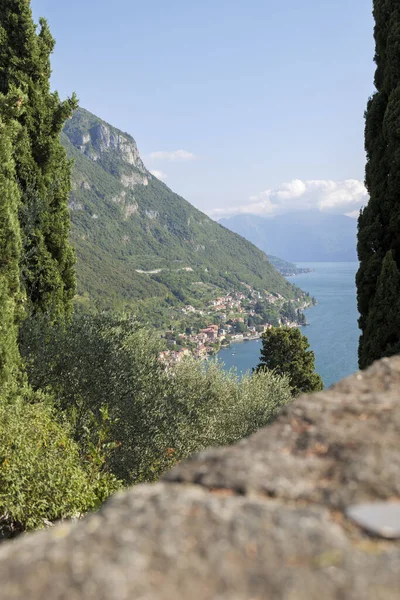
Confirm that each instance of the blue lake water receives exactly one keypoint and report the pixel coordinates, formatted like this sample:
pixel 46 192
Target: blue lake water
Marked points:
pixel 333 332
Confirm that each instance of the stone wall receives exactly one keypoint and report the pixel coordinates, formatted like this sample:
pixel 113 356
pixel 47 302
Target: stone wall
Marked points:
pixel 268 518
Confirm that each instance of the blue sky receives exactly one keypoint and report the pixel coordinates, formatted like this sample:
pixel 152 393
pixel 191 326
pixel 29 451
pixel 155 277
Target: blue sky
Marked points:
pixel 264 98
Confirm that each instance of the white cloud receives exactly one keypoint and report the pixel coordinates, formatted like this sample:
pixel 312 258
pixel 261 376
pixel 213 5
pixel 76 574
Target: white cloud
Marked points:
pixel 175 155
pixel 159 174
pixel 353 214
pixel 341 197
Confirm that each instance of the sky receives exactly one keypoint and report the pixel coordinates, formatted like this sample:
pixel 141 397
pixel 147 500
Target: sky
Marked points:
pixel 240 107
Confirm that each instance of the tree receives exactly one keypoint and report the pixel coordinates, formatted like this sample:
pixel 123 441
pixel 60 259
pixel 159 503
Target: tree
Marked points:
pixel 42 169
pixel 301 317
pixel 285 351
pixel 379 222
pixel 10 250
pixel 239 327
pixel 383 324
pixel 289 312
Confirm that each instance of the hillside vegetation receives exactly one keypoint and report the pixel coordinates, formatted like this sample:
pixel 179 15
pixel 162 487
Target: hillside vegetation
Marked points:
pixel 136 239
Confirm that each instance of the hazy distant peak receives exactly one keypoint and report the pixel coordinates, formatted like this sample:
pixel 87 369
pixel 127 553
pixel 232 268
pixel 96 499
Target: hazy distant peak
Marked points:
pixel 326 196
pixel 307 236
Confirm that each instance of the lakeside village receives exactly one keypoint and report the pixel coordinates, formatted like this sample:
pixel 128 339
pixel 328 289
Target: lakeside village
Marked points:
pixel 235 317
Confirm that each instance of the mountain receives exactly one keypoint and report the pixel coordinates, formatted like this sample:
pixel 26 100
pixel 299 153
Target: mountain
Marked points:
pixel 285 267
pixel 301 237
pixel 136 240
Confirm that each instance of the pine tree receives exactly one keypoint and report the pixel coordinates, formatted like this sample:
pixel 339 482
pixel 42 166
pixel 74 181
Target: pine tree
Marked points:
pixel 10 252
pixel 285 351
pixel 42 169
pixel 379 222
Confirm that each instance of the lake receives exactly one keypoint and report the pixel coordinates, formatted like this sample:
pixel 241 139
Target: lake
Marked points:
pixel 333 331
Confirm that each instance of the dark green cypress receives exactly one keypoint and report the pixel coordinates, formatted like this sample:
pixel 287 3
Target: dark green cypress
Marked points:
pixel 11 298
pixel 285 351
pixel 42 169
pixel 383 325
pixel 379 222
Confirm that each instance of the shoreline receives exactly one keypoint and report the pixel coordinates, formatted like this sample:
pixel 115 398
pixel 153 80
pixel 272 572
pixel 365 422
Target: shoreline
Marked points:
pixel 258 337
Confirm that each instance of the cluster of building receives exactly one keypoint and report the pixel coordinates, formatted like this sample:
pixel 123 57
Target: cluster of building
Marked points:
pixel 226 308
pixel 172 357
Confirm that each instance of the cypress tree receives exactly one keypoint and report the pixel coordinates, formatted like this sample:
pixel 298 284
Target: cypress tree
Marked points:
pixel 379 222
pixel 42 169
pixel 383 324
pixel 285 351
pixel 10 252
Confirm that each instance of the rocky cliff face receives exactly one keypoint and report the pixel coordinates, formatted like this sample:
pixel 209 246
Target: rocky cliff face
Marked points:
pixel 276 517
pixel 103 139
pixel 101 142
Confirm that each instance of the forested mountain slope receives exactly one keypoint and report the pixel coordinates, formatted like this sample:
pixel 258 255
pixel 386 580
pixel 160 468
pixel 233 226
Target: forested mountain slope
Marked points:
pixel 136 239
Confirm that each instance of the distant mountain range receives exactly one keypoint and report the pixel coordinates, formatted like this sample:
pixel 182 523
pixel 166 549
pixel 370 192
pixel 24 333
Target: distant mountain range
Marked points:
pixel 136 240
pixel 300 237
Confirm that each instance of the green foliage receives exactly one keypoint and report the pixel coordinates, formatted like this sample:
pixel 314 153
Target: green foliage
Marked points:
pixel 155 416
pixel 10 250
pixel 383 323
pixel 266 313
pixel 102 361
pixel 379 222
pixel 215 408
pixel 42 170
pixel 289 311
pixel 285 351
pixel 42 477
pixel 238 327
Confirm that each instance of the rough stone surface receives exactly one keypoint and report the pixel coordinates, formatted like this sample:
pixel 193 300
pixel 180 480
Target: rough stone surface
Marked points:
pixel 337 447
pixel 265 519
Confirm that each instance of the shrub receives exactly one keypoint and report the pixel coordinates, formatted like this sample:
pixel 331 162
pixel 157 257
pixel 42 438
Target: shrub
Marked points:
pixel 216 408
pixel 100 362
pixel 41 475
